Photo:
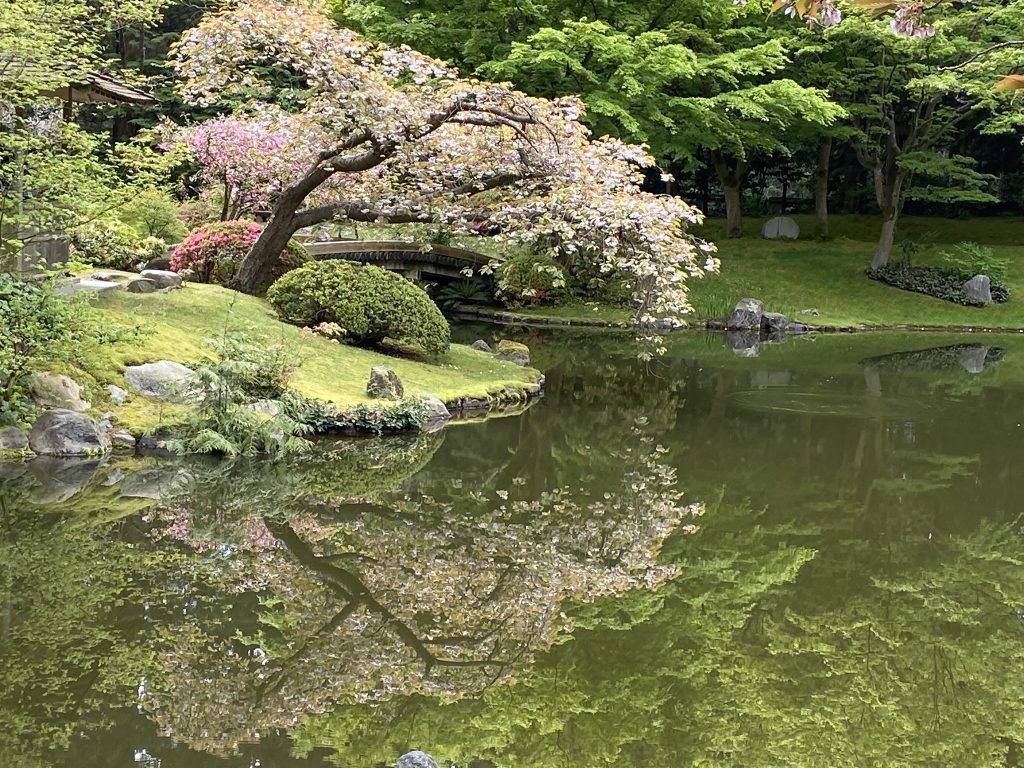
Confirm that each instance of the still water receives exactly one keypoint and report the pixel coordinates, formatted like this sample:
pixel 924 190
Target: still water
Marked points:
pixel 812 557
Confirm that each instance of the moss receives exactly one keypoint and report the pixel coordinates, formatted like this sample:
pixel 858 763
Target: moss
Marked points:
pixel 506 347
pixel 179 321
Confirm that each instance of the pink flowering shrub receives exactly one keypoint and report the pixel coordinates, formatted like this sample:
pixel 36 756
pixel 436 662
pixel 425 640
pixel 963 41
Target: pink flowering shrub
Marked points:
pixel 214 251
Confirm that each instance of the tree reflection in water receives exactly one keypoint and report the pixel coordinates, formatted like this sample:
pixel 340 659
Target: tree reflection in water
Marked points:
pixel 365 597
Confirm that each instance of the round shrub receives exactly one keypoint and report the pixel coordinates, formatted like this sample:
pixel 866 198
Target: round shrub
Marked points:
pixel 214 251
pixel 108 244
pixel 531 279
pixel 368 302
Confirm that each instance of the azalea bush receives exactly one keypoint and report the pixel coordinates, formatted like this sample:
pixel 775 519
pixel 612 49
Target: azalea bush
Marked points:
pixel 214 251
pixel 367 302
pixel 532 279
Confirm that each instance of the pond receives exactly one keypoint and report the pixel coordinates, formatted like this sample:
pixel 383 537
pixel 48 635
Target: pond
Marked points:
pixel 808 557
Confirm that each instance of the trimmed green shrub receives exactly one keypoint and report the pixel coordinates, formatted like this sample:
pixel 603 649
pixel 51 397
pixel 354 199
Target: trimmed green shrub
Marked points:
pixel 214 251
pixel 368 302
pixel 934 281
pixel 531 279
pixel 109 244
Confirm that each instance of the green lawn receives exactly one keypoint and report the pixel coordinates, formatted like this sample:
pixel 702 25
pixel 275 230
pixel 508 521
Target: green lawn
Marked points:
pixel 828 275
pixel 177 323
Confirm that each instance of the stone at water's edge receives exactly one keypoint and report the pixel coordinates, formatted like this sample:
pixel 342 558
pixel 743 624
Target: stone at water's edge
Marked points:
pixel 141 285
pixel 481 345
pixel 746 316
pixel 437 410
pixel 780 228
pixel 978 290
pixel 163 278
pixel 52 390
pixel 67 433
pixel 773 322
pixel 384 383
pixel 513 352
pixel 13 439
pixel 122 440
pixel 416 759
pixel 164 379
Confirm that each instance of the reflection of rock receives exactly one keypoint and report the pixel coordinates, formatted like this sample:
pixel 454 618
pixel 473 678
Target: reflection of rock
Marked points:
pixel 416 759
pixel 12 470
pixel 61 479
pixel 780 228
pixel 155 483
pixel 52 390
pixel 971 357
pixel 746 316
pixel 164 379
pixel 67 433
pixel 978 290
pixel 744 343
pixel 384 383
pixel 765 379
pixel 13 439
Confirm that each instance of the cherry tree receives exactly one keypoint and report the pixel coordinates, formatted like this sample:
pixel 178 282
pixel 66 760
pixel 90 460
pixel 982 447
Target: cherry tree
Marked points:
pixel 389 135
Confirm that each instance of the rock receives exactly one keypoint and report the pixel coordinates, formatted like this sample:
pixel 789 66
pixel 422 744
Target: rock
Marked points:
pixel 13 439
pixel 972 359
pixel 744 343
pixel 61 479
pixel 114 476
pixel 773 322
pixel 155 483
pixel 481 345
pixel 513 352
pixel 159 264
pixel 164 379
pixel 74 285
pixel 796 328
pixel 809 312
pixel 12 470
pixel 67 433
pixel 746 316
pixel 52 390
pixel 117 395
pixel 269 408
pixel 141 285
pixel 437 410
pixel 163 278
pixel 384 383
pixel 780 228
pixel 416 759
pixel 111 277
pixel 978 290
pixel 122 440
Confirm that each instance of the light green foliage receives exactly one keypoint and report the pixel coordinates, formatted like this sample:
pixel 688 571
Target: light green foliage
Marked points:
pixel 112 244
pixel 369 303
pixel 153 213
pixel 36 327
pixel 973 259
pixel 531 279
pixel 243 408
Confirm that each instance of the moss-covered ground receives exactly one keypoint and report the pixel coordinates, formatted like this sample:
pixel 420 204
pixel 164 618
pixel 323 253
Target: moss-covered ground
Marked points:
pixel 174 326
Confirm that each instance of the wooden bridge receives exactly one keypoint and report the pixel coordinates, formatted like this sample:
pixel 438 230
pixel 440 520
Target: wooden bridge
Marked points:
pixel 413 260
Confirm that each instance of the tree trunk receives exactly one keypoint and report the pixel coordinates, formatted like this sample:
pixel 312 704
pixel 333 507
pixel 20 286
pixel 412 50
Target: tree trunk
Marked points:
pixel 254 273
pixel 733 211
pixel 821 187
pixel 885 241
pixel 889 192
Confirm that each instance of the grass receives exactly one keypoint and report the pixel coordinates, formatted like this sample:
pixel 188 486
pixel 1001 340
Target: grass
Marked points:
pixel 578 311
pixel 828 275
pixel 176 324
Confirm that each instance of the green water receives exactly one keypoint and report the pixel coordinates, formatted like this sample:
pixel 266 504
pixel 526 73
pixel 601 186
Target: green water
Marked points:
pixel 529 591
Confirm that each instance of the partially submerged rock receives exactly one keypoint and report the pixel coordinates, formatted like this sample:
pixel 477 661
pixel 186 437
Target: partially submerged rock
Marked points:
pixel 164 379
pixel 13 439
pixel 437 411
pixel 67 433
pixel 513 352
pixel 746 316
pixel 384 384
pixel 774 322
pixel 53 390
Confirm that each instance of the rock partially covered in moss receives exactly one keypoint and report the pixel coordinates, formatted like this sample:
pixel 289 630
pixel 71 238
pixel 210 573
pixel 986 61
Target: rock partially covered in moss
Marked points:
pixel 513 352
pixel 384 384
pixel 67 433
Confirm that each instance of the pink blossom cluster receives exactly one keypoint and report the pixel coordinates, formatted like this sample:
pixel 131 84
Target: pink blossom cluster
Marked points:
pixel 909 20
pixel 213 251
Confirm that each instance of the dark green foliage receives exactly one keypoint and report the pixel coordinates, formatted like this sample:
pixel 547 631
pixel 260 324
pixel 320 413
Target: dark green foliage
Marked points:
pixel 403 416
pixel 532 279
pixel 934 281
pixel 369 303
pixel 463 292
pixel 36 325
pixel 972 259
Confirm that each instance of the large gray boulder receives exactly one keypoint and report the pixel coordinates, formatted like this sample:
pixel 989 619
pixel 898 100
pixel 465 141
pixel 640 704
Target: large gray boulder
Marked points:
pixel 978 290
pixel 416 759
pixel 437 413
pixel 164 379
pixel 13 439
pixel 71 286
pixel 141 285
pixel 780 228
pixel 747 315
pixel 53 390
pixel 773 322
pixel 163 278
pixel 385 384
pixel 67 433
